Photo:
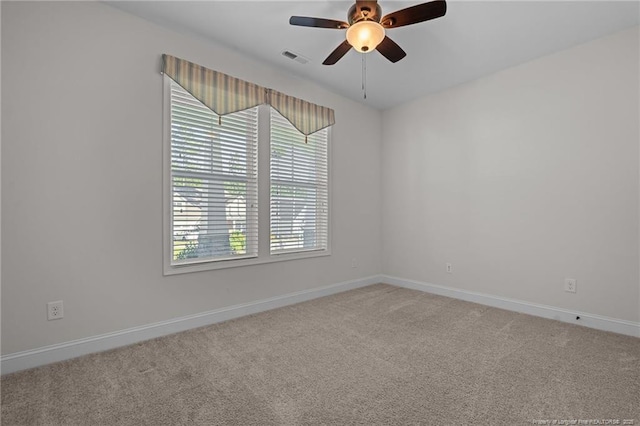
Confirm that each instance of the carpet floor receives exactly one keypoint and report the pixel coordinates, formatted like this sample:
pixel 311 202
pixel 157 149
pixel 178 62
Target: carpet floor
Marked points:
pixel 378 355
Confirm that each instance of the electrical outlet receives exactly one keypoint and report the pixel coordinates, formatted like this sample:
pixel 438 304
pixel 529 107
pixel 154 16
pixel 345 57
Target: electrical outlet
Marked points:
pixel 55 310
pixel 354 262
pixel 570 285
pixel 449 268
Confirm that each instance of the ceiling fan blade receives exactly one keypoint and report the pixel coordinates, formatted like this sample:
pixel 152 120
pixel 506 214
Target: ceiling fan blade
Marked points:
pixel 390 50
pixel 304 21
pixel 338 53
pixel 414 14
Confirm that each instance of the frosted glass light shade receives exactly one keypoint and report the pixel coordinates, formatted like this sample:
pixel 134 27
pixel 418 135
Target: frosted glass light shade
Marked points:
pixel 365 36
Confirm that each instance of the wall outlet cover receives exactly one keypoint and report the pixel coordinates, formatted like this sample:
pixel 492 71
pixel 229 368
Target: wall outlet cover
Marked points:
pixel 55 310
pixel 570 285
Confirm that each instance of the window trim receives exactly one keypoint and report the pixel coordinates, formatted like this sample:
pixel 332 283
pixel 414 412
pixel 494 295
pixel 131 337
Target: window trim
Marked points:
pixel 264 184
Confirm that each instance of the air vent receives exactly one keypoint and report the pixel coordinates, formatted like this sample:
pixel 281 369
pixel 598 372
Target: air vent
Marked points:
pixel 289 54
pixel 298 58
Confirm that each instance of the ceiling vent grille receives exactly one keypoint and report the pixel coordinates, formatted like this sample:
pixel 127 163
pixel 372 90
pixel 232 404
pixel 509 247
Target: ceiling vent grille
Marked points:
pixel 294 56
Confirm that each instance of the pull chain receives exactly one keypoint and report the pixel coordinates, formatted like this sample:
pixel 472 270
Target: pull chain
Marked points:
pixel 364 75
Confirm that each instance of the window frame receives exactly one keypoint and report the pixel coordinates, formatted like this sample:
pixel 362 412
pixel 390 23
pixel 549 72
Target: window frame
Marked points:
pixel 293 182
pixel 187 168
pixel 264 184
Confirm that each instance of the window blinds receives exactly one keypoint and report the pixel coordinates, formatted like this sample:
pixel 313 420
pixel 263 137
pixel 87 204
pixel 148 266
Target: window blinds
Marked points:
pixel 213 181
pixel 299 188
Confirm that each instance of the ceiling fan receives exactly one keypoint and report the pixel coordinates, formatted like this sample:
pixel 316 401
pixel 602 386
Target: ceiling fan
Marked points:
pixel 366 27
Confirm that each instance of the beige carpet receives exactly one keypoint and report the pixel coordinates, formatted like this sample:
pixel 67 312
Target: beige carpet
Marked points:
pixel 376 355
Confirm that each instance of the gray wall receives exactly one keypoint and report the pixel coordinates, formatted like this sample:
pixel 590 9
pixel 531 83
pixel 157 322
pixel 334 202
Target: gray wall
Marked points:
pixel 82 178
pixel 519 179
pixel 522 179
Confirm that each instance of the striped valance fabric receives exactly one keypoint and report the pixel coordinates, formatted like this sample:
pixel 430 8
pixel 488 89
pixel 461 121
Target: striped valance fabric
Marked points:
pixel 219 92
pixel 308 118
pixel 224 94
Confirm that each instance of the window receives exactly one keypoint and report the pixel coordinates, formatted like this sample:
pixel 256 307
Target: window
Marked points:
pixel 299 188
pixel 243 189
pixel 214 182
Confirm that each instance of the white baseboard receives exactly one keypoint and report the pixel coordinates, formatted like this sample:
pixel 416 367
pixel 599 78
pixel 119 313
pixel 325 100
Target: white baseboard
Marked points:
pixel 629 328
pixel 59 352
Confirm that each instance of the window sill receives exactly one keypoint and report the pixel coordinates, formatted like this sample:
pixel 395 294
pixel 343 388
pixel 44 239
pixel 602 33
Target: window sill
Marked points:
pixel 236 263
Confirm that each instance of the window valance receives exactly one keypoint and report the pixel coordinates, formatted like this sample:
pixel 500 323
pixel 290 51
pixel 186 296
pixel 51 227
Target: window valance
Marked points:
pixel 219 92
pixel 224 94
pixel 308 118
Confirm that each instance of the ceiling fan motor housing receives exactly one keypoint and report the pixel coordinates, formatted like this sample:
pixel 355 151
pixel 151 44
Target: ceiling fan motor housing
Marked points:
pixel 364 11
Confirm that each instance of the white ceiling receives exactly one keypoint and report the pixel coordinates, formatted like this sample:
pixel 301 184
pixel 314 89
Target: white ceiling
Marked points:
pixel 473 39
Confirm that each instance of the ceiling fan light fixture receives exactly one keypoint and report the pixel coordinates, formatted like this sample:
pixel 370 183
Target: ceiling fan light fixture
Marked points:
pixel 365 36
pixel 366 27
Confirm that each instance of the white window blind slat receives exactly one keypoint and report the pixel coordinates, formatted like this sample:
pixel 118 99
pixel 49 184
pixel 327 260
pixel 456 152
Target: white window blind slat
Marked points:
pixel 214 182
pixel 299 214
